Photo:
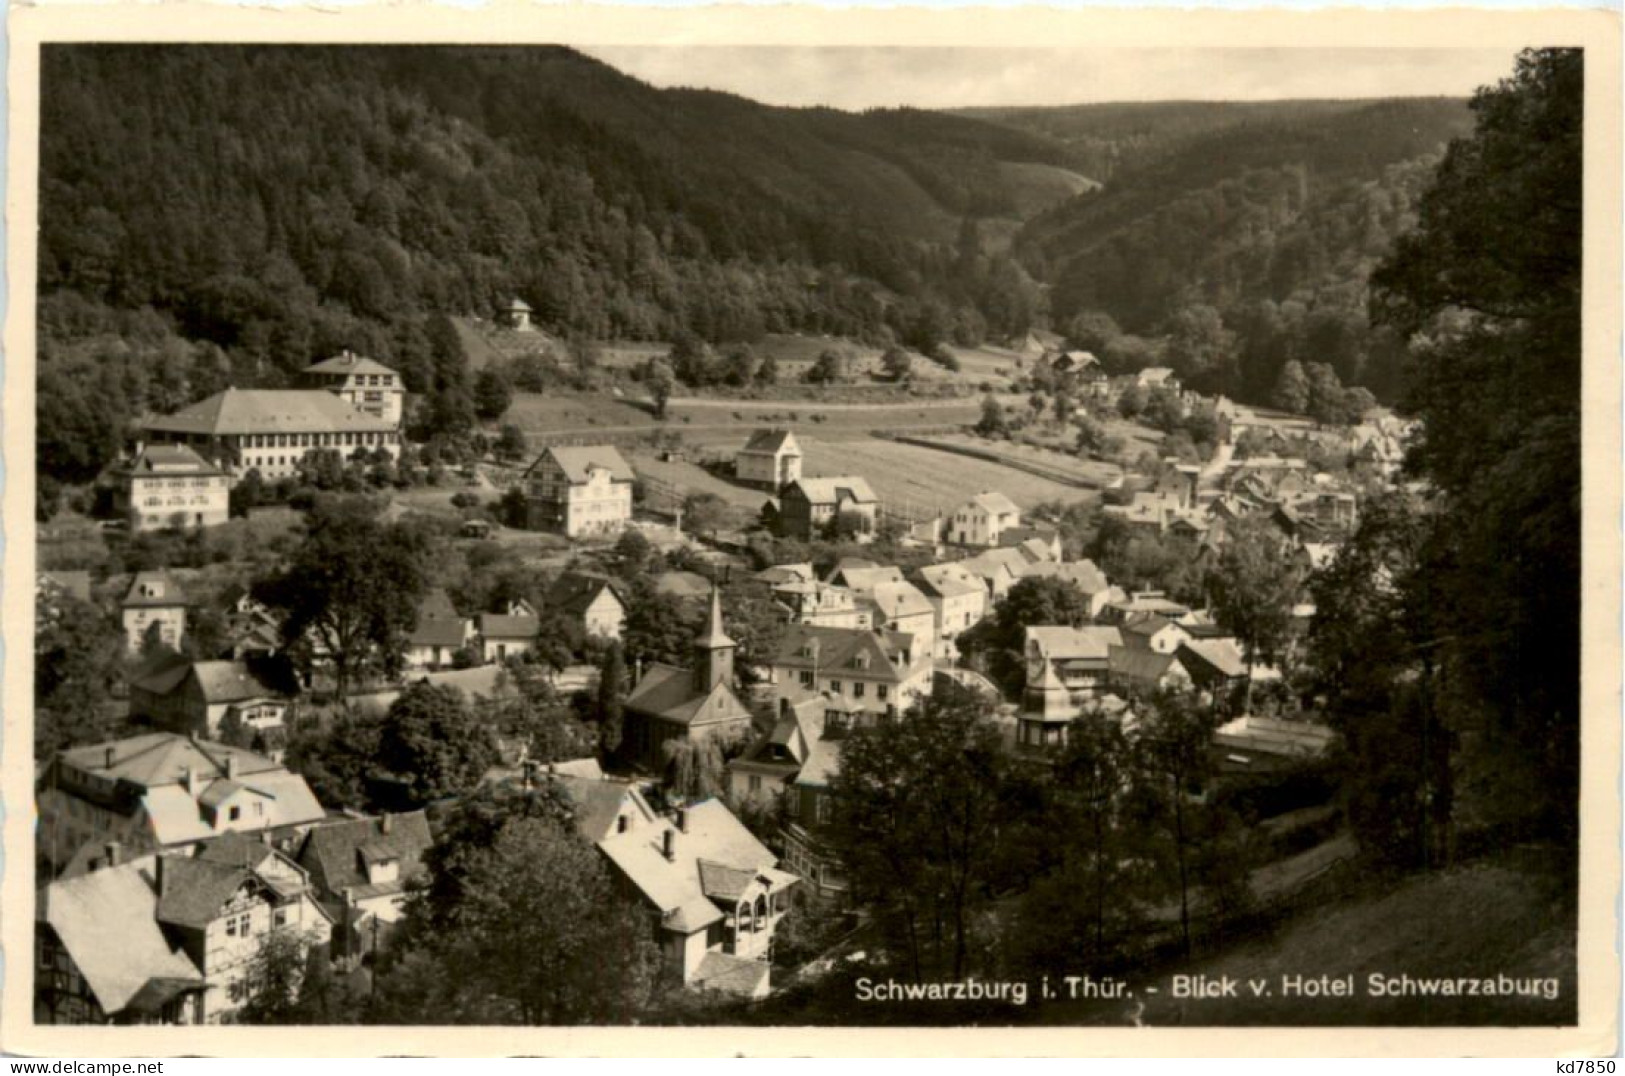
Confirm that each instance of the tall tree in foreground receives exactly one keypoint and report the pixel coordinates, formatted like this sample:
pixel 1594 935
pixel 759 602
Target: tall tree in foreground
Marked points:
pixel 918 802
pixel 351 593
pixel 1253 586
pixel 1487 289
pixel 521 923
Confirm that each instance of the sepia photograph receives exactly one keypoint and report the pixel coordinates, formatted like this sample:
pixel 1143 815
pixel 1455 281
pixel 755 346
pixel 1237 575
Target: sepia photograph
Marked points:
pixel 816 536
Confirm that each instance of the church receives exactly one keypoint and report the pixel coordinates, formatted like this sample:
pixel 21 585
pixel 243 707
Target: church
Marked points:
pixel 670 703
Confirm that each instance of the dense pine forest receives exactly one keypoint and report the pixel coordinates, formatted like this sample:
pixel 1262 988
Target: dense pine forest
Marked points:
pixel 224 215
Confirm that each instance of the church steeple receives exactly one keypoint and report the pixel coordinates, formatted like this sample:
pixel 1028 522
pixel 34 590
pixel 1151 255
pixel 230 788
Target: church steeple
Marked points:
pixel 713 650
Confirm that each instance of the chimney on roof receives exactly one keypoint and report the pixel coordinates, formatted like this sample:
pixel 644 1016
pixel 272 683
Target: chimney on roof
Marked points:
pixel 620 823
pixel 107 757
pixel 231 765
pixel 113 850
pixel 386 823
pixel 158 873
pixel 682 819
pixel 668 844
pixel 194 782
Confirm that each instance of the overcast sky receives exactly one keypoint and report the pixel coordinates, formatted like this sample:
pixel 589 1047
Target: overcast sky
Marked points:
pixel 857 78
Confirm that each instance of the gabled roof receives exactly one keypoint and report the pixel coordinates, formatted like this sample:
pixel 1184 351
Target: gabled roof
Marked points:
pixel 1144 666
pixel 989 563
pixel 577 460
pixel 899 599
pixel 107 921
pixel 502 626
pixel 722 882
pixel 348 363
pixel 1223 656
pixel 1082 574
pixel 171 460
pixel 229 681
pixel 438 623
pixel 994 502
pixel 1273 736
pixel 771 441
pixel 169 592
pixel 1092 642
pixel 600 802
pixel 162 673
pixel 195 889
pixel 853 488
pixel 786 573
pixel 674 886
pixel 332 852
pixel 835 650
pixel 668 693
pixel 573 592
pixel 241 411
pixel 950 581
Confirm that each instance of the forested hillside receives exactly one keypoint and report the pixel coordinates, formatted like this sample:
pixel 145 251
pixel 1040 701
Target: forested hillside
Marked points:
pixel 1264 229
pixel 284 200
pixel 216 215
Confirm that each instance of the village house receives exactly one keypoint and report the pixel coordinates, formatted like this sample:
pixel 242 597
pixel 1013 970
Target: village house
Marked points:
pixel 982 519
pixel 900 606
pixel 164 791
pixel 958 600
pixel 1154 632
pixel 998 569
pixel 508 634
pixel 812 508
pixel 670 703
pixel 716 889
pixel 1047 709
pixel 217 907
pixel 1077 658
pixel 359 870
pixel 271 430
pixel 209 698
pixel 786 573
pixel 880 672
pixel 171 486
pixel 1084 575
pixel 155 605
pixel 252 630
pixel 101 957
pixel 364 384
pixel 770 460
pixel 1133 670
pixel 593 601
pixel 1216 664
pixel 1157 377
pixel 814 602
pixel 1041 543
pixel 579 491
pixel 438 633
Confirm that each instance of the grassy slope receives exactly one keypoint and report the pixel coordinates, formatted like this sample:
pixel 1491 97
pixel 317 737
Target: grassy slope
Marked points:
pixel 1512 916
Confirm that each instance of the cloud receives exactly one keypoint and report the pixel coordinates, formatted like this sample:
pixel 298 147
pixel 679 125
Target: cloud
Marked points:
pixel 858 78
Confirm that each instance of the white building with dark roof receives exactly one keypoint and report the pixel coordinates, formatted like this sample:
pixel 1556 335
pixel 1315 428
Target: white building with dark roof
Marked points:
pixel 154 603
pixel 172 486
pixel 878 672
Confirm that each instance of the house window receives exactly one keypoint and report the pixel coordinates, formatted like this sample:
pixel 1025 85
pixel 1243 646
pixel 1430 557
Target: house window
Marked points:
pixel 806 678
pixel 835 687
pixel 280 918
pixel 880 692
pixel 755 783
pixel 857 690
pixel 235 813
